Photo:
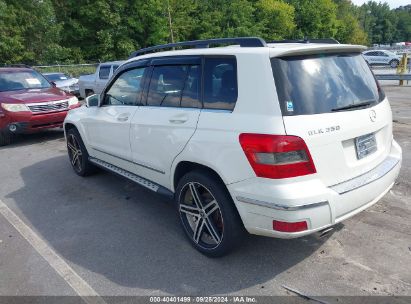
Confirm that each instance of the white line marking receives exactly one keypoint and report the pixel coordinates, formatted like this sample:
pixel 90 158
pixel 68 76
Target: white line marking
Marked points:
pixel 84 290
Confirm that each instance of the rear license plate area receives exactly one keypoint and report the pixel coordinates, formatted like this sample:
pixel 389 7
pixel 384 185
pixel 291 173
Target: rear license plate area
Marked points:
pixel 365 145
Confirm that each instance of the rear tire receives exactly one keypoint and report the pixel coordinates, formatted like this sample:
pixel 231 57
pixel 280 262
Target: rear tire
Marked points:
pixel 208 215
pixel 78 155
pixel 5 138
pixel 394 63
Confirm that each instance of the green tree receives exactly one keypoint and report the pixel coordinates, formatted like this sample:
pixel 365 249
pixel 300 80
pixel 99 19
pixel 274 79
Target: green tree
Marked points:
pixel 275 18
pixel 226 19
pixel 315 18
pixel 404 23
pixel 11 38
pixel 349 29
pixel 181 16
pixel 29 31
pixel 379 22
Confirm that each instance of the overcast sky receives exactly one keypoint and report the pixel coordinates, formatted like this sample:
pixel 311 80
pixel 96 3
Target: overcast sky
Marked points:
pixel 391 3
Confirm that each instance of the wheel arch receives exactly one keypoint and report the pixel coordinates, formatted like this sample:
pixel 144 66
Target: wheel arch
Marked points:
pixel 69 125
pixel 183 167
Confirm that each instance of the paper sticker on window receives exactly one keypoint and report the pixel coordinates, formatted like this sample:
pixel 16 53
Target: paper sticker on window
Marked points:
pixel 33 81
pixel 290 106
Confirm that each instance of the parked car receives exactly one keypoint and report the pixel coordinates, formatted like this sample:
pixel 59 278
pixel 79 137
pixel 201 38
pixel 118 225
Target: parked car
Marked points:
pixel 95 83
pixel 279 139
pixel 29 103
pixel 382 57
pixel 64 82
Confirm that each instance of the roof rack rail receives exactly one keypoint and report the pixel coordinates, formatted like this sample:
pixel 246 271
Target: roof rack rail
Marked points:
pixel 307 40
pixel 242 41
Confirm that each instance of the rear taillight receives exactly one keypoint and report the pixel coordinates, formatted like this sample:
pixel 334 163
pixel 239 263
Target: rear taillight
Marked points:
pixel 290 227
pixel 277 156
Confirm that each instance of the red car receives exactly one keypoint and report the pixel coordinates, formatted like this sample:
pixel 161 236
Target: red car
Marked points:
pixel 29 103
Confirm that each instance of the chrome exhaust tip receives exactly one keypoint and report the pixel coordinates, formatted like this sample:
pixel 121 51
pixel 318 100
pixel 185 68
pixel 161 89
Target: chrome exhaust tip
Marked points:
pixel 324 232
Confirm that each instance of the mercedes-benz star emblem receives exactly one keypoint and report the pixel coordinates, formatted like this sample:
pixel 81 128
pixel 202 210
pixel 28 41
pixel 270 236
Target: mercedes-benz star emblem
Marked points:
pixel 373 115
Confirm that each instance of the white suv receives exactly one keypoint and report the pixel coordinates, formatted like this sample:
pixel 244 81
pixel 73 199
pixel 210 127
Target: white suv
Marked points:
pixel 382 57
pixel 278 139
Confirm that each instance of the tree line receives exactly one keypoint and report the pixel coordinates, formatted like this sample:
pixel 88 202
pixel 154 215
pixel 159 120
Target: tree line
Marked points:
pixel 75 31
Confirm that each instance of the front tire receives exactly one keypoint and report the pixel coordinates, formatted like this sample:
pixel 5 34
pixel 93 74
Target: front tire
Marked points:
pixel 78 155
pixel 208 214
pixel 394 63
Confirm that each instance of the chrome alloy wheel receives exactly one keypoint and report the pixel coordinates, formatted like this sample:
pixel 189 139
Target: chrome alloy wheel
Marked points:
pixel 74 151
pixel 201 215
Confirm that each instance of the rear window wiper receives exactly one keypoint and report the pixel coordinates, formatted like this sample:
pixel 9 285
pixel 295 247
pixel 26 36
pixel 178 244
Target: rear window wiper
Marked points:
pixel 354 106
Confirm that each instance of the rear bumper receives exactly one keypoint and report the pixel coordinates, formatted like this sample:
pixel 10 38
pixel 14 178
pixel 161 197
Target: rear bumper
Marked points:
pixel 28 122
pixel 260 201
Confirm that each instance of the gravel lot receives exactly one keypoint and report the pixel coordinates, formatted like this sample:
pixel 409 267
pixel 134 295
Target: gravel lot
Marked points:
pixel 124 240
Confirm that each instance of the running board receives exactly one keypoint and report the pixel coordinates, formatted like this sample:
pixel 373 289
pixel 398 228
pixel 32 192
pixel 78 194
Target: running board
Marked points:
pixel 133 177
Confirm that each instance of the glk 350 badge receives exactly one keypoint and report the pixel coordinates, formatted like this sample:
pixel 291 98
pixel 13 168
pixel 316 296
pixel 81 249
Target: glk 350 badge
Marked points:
pixel 324 130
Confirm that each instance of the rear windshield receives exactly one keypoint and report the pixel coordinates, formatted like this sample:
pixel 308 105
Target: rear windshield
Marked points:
pixel 324 83
pixel 21 80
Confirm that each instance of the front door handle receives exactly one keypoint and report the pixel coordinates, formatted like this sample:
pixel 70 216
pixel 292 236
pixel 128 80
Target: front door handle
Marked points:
pixel 123 117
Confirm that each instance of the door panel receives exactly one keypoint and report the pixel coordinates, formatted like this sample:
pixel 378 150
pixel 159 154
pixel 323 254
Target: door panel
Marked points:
pixel 161 129
pixel 108 131
pixel 108 128
pixel 158 135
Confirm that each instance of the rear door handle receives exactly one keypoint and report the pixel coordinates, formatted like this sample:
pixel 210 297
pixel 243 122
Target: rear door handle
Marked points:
pixel 178 119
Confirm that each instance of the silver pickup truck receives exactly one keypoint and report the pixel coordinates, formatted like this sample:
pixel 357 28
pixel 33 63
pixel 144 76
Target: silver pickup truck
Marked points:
pixel 95 83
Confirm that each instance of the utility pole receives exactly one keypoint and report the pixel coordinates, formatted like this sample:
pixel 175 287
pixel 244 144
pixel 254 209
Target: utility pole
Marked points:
pixel 169 22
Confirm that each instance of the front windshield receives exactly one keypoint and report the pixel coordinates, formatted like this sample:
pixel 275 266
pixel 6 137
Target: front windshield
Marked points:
pixel 22 80
pixel 56 77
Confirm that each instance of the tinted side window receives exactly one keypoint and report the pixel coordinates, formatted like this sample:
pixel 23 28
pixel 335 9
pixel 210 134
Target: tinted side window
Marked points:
pixel 104 71
pixel 126 89
pixel 220 83
pixel 166 85
pixel 191 92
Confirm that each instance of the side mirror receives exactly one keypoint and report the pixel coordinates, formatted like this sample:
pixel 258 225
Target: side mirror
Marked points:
pixel 93 100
